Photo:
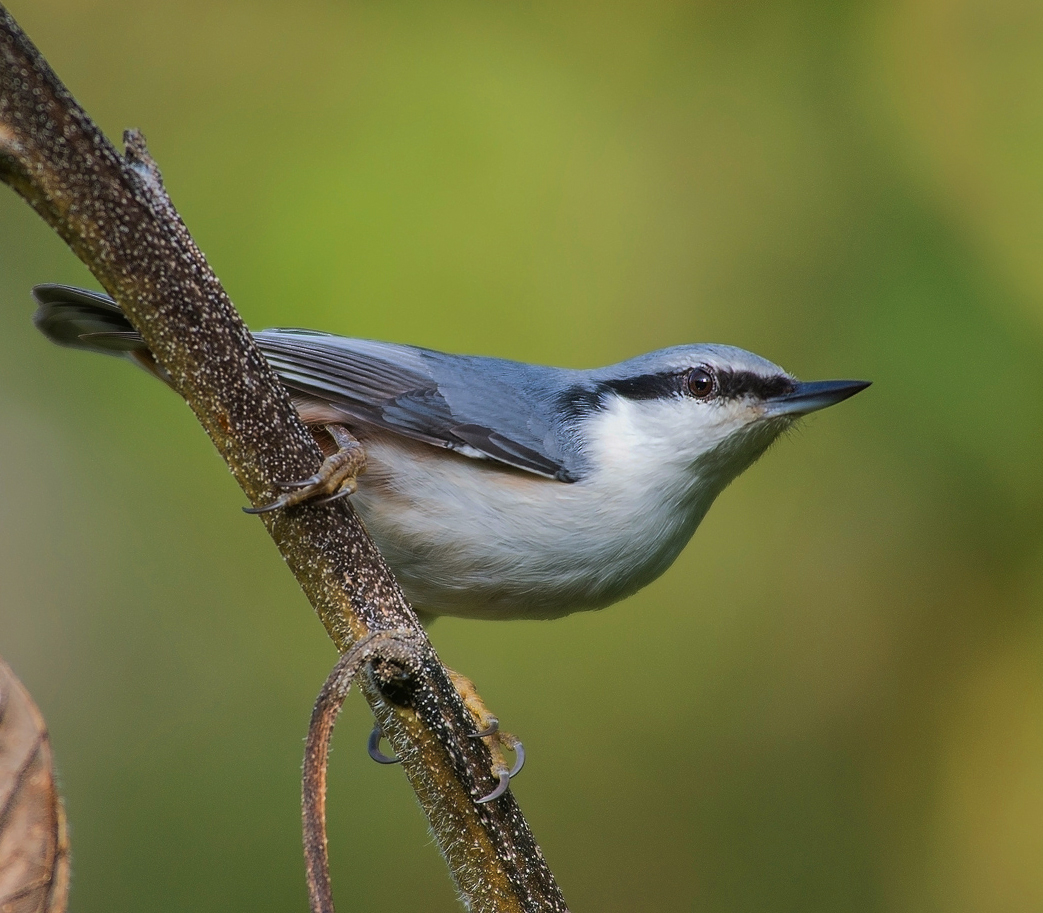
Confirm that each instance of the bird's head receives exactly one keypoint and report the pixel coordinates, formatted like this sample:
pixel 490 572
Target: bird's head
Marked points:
pixel 701 411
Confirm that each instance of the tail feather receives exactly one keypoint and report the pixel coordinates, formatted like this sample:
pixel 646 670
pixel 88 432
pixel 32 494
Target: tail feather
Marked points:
pixel 81 319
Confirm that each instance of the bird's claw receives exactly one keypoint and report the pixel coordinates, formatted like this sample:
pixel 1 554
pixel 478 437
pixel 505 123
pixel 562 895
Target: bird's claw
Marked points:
pixel 501 788
pixel 300 483
pixel 491 729
pixel 373 747
pixel 344 492
pixel 519 758
pixel 504 775
pixel 336 478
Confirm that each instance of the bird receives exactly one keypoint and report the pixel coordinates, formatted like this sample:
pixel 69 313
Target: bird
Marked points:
pixel 499 489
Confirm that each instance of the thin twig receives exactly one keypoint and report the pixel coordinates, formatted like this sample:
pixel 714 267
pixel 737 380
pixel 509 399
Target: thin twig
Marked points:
pixel 402 648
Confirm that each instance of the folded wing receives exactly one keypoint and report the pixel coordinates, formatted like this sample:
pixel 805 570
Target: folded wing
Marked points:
pixel 483 408
pixel 470 405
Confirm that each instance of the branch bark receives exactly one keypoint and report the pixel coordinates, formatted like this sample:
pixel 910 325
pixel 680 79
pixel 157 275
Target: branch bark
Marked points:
pixel 114 213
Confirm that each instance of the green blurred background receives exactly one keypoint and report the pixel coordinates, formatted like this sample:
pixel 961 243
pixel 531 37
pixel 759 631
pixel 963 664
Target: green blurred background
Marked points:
pixel 832 702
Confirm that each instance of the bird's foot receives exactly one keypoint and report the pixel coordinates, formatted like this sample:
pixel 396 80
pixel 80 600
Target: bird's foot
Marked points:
pixel 337 476
pixel 489 729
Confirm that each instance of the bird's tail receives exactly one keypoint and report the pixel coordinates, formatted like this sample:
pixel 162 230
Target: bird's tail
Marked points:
pixel 81 319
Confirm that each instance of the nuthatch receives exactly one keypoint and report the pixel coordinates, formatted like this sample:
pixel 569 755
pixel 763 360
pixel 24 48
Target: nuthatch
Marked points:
pixel 498 489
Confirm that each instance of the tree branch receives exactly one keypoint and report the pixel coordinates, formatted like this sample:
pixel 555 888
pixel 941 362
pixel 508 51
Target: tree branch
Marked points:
pixel 114 213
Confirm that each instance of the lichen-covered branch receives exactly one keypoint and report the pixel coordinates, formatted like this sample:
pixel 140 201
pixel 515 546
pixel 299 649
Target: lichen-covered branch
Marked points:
pixel 114 212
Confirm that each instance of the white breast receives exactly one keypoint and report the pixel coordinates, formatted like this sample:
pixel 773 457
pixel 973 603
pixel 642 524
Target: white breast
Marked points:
pixel 472 538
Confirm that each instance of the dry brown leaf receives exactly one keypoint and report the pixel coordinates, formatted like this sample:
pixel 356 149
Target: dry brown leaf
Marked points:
pixel 34 847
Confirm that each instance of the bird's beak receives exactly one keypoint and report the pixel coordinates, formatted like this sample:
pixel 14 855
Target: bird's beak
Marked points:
pixel 811 397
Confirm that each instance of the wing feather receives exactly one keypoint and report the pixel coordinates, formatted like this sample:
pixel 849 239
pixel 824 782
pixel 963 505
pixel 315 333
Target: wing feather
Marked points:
pixel 420 394
pixel 484 408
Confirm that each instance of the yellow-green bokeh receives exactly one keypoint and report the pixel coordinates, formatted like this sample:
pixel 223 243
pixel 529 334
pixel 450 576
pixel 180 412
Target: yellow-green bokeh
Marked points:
pixel 832 702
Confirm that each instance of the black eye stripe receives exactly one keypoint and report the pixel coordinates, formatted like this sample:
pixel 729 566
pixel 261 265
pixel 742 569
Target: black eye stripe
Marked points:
pixel 646 386
pixel 582 400
pixel 734 384
pixel 730 385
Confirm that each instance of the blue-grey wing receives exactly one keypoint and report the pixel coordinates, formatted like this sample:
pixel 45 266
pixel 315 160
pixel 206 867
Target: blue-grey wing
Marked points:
pixel 481 407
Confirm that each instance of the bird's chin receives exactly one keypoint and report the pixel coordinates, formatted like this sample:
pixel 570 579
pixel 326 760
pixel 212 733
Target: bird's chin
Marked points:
pixel 740 450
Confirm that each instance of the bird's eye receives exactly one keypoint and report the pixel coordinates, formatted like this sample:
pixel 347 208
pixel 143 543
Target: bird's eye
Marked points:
pixel 699 383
